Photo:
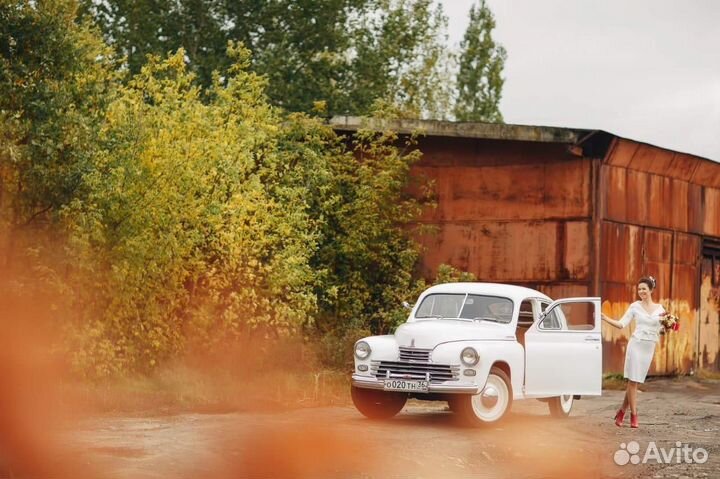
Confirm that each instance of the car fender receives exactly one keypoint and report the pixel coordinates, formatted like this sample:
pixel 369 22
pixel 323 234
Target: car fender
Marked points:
pixel 490 352
pixel 382 348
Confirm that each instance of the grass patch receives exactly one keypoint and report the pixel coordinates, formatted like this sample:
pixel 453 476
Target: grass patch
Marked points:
pixel 614 382
pixel 707 374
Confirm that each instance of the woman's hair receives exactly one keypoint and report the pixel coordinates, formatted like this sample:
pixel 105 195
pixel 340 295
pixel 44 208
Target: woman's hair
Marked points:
pixel 649 281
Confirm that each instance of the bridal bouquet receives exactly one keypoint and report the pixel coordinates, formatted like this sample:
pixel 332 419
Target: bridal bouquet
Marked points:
pixel 670 322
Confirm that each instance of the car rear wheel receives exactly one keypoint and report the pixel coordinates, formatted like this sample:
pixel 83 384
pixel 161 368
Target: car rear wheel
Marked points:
pixel 561 406
pixel 376 404
pixel 490 405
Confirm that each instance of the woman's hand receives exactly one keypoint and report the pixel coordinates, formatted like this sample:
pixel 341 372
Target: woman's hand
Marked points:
pixel 611 321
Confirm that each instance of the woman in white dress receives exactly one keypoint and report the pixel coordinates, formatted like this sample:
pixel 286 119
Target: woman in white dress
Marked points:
pixel 641 347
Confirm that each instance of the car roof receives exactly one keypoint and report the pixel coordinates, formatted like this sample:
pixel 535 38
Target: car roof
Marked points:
pixel 514 292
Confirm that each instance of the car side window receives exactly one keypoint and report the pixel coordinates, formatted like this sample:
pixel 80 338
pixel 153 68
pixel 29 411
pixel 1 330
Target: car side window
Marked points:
pixel 525 315
pixel 550 321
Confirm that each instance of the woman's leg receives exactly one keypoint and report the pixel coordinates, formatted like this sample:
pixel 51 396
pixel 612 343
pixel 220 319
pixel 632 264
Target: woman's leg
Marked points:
pixel 632 396
pixel 626 401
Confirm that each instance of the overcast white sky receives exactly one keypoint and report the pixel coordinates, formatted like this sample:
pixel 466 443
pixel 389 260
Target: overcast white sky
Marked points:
pixel 643 69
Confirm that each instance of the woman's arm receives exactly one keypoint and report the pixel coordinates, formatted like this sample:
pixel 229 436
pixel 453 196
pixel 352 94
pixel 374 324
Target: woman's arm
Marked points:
pixel 612 322
pixel 622 322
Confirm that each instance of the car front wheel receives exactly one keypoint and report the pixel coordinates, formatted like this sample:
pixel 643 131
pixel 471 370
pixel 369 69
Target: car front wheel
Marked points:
pixel 377 404
pixel 560 406
pixel 490 405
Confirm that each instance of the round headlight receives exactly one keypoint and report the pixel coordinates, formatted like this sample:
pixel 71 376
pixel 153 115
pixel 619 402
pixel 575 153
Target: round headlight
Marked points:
pixel 469 357
pixel 362 350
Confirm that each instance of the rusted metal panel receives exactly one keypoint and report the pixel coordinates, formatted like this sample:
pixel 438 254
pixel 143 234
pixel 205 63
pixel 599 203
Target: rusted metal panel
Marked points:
pixel 711 203
pixel 512 192
pixel 501 192
pixel 678 197
pixel 616 299
pixel 641 198
pixel 636 196
pixel 709 328
pixel 621 263
pixel 623 152
pixel 651 159
pixel 696 208
pixel 513 252
pixel 564 290
pixel 676 351
pixel 630 252
pixel 621 256
pixel 707 173
pixel 503 180
pixel 657 246
pixel 615 185
pixel 659 195
pixel 686 255
pixel 682 167
pixel 575 259
pixel 567 189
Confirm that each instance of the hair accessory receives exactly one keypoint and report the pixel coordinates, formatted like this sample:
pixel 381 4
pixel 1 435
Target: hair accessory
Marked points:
pixel 651 278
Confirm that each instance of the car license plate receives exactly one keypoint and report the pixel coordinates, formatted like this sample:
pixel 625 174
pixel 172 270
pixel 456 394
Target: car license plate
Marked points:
pixel 406 385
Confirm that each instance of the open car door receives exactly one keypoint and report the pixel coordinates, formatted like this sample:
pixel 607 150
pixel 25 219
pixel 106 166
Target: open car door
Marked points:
pixel 563 349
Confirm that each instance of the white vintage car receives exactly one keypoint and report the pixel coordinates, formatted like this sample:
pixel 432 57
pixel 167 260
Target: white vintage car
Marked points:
pixel 479 346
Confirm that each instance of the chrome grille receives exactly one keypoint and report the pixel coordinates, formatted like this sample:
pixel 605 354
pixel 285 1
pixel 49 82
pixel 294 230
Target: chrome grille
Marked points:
pixel 415 354
pixel 436 373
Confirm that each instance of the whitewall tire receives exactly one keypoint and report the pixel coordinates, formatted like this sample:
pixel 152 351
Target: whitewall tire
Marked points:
pixel 491 405
pixel 560 406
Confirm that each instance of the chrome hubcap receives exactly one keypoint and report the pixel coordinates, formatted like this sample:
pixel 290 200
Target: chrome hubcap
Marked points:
pixel 490 404
pixel 489 396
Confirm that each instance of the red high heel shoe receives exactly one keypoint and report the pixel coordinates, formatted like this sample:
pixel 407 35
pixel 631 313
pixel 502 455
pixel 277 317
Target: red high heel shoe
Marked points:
pixel 634 420
pixel 619 417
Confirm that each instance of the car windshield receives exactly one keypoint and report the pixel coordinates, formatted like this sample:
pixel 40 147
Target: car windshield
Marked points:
pixel 465 306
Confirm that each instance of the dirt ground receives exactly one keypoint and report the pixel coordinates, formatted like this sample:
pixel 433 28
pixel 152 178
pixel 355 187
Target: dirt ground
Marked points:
pixel 423 441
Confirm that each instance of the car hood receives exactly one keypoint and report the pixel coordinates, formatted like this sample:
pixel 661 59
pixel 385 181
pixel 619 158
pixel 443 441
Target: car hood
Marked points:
pixel 426 334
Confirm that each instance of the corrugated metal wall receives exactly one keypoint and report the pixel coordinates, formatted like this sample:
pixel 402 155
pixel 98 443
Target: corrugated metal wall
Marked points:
pixel 657 208
pixel 509 211
pixel 531 213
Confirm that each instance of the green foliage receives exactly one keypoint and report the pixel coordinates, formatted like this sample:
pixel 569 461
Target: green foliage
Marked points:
pixel 479 78
pixel 347 53
pixel 449 274
pixel 336 346
pixel 199 235
pixel 163 216
pixel 399 58
pixel 55 78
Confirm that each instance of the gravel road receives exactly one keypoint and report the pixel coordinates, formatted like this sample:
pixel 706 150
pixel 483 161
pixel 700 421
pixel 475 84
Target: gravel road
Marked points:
pixel 423 441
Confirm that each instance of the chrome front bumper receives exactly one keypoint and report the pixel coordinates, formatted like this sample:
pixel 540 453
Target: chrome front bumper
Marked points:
pixel 366 382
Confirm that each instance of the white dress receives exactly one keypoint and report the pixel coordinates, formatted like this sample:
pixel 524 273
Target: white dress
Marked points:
pixel 641 347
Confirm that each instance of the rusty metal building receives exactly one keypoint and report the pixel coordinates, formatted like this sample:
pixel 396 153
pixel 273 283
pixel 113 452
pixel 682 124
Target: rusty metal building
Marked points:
pixel 575 212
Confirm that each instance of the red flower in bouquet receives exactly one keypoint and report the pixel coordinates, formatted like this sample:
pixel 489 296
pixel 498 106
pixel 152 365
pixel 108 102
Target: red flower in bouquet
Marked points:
pixel 670 322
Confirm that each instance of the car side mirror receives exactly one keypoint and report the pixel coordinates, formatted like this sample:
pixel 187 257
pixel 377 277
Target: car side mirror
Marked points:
pixel 406 305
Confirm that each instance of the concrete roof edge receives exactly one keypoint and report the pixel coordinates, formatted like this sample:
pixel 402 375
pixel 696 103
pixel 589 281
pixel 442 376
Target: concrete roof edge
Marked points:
pixel 491 131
